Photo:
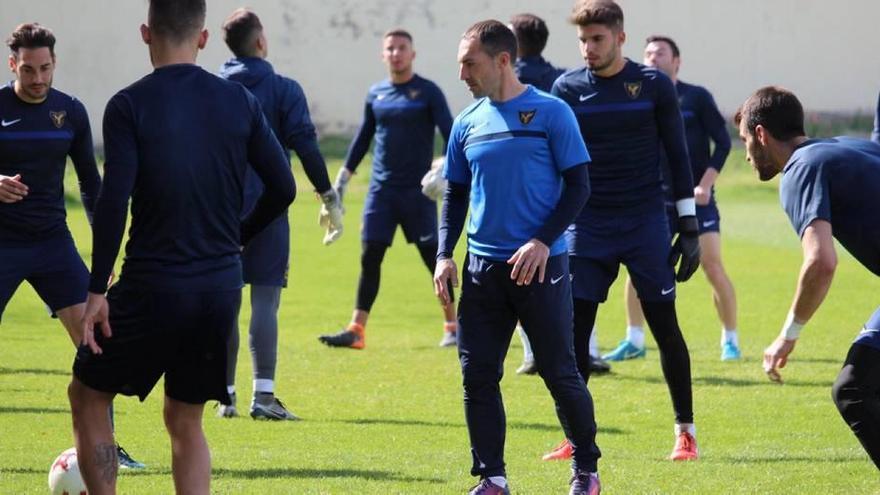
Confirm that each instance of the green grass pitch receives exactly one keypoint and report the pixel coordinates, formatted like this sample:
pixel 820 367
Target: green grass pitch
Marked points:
pixel 389 419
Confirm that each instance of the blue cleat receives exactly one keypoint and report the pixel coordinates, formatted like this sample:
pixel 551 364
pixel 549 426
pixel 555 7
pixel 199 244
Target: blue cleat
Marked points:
pixel 730 352
pixel 126 461
pixel 625 350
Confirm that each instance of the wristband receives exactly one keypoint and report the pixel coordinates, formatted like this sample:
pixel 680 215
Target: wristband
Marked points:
pixel 686 207
pixel 791 330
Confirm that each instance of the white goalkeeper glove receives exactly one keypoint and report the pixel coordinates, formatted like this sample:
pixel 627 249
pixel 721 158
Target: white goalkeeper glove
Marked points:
pixel 331 216
pixel 433 183
pixel 341 183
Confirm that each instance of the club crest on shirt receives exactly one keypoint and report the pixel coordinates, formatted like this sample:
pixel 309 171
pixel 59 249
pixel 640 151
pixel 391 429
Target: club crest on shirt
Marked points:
pixel 414 93
pixel 633 89
pixel 58 118
pixel 526 116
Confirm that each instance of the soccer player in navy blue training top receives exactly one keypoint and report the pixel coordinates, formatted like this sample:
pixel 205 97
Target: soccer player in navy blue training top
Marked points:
pixel 875 134
pixel 178 143
pixel 516 156
pixel 531 38
pixel 40 128
pixel 531 68
pixel 828 190
pixel 703 125
pixel 265 259
pixel 627 112
pixel 401 112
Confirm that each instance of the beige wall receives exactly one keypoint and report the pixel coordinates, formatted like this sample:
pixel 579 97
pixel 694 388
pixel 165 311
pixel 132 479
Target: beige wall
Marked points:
pixel 825 51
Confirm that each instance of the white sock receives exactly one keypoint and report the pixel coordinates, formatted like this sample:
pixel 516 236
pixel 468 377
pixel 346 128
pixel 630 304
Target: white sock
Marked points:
pixel 636 336
pixel 729 336
pixel 230 389
pixel 594 342
pixel 498 480
pixel 264 385
pixel 686 427
pixel 527 347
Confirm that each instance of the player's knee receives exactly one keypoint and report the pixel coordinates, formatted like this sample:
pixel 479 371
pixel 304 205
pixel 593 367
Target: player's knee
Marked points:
pixel 371 256
pixel 847 392
pixel 477 379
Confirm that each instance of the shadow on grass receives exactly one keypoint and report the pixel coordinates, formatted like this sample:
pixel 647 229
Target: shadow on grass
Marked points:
pixel 740 382
pixel 33 410
pixel 17 470
pixel 33 371
pixel 513 425
pixel 297 473
pixel 758 459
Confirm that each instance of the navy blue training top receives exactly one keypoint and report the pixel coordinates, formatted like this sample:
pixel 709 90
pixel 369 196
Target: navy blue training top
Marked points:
pixel 178 142
pixel 837 180
pixel 285 107
pixel 624 120
pixel 402 117
pixel 35 141
pixel 537 72
pixel 703 123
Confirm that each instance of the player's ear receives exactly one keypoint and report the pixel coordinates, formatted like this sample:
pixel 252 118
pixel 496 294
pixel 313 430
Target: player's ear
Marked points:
pixel 145 34
pixel 621 37
pixel 12 62
pixel 761 135
pixel 203 39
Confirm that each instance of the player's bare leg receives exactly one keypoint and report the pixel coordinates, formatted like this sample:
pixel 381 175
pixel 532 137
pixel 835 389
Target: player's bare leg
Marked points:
pixel 95 447
pixel 190 456
pixel 723 293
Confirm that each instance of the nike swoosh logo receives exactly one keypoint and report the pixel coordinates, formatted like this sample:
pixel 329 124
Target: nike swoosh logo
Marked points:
pixel 7 123
pixel 425 238
pixel 554 281
pixel 379 97
pixel 586 97
pixel 709 223
pixel 663 292
pixel 475 128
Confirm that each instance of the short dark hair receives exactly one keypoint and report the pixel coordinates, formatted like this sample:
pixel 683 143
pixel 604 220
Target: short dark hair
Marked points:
pixel 31 35
pixel 176 20
pixel 774 108
pixel 531 33
pixel 657 38
pixel 604 12
pixel 403 33
pixel 240 32
pixel 494 37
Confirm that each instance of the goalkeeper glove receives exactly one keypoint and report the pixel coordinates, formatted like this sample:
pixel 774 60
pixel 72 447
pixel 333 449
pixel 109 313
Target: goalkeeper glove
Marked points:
pixel 686 248
pixel 433 183
pixel 331 216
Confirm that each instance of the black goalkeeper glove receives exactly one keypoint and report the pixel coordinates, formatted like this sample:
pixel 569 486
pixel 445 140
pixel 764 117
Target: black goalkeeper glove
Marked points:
pixel 686 248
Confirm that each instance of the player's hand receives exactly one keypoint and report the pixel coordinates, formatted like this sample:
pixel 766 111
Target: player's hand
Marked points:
pixel 12 190
pixel 445 276
pixel 528 261
pixel 341 183
pixel 433 183
pixel 97 313
pixel 776 357
pixel 686 248
pixel 702 195
pixel 330 216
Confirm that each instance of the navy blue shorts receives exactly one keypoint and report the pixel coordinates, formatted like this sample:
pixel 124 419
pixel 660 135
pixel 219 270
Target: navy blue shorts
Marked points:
pixel 53 267
pixel 709 218
pixel 266 258
pixel 870 334
pixel 640 242
pixel 386 207
pixel 181 335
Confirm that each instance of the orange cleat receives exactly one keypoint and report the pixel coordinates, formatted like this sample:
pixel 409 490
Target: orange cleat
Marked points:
pixel 561 452
pixel 685 448
pixel 352 337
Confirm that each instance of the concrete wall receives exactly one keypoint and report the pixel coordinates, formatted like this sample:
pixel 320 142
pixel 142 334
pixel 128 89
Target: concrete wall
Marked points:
pixel 825 51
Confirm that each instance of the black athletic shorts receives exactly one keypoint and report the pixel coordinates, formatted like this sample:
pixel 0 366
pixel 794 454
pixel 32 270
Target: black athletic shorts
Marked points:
pixel 180 335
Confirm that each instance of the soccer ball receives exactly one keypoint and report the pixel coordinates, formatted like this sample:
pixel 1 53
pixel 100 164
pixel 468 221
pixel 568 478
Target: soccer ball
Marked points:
pixel 64 477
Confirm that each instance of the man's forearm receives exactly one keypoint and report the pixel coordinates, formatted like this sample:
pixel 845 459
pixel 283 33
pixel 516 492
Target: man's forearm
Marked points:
pixel 452 217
